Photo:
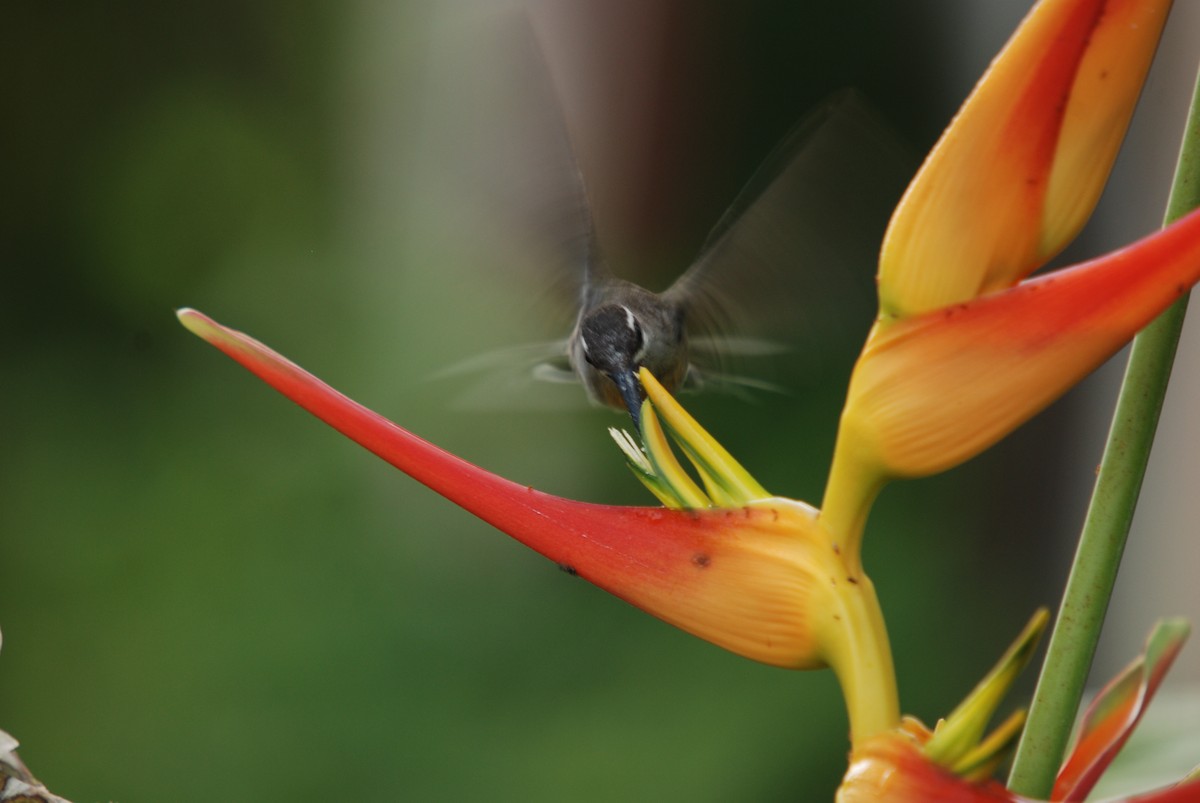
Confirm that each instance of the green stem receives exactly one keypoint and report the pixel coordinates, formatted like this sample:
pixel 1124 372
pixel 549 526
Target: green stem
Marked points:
pixel 1090 585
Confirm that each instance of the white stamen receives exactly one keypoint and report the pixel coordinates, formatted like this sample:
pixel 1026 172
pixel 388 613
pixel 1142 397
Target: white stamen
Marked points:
pixel 632 451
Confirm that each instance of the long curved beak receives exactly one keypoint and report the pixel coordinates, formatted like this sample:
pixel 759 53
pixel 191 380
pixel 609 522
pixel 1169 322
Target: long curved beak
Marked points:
pixel 631 392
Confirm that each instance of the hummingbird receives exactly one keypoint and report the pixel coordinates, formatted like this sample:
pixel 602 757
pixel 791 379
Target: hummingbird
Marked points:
pixel 621 328
pixel 789 250
pixel 777 222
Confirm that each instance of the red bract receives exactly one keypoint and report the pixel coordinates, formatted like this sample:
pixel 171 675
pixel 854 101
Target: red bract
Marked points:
pixel 740 578
pixel 963 352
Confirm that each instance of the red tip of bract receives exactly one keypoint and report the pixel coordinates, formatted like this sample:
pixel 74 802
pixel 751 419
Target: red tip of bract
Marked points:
pixel 740 578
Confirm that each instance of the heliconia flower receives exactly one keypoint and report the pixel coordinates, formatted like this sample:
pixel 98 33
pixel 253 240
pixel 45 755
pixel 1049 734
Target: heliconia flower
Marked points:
pixel 964 351
pixel 756 574
pixel 910 764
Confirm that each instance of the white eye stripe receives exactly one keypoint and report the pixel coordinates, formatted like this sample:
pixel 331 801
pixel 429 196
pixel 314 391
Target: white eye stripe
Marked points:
pixel 630 320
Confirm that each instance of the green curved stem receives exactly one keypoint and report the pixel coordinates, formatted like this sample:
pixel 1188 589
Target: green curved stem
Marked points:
pixel 1094 571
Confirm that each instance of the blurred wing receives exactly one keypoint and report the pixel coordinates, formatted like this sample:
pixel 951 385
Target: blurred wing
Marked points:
pixel 792 261
pixel 531 376
pixel 510 210
pixel 509 168
pixel 709 372
pixel 531 356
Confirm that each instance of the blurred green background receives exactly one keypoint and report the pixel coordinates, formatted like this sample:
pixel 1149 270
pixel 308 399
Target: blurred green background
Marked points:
pixel 203 588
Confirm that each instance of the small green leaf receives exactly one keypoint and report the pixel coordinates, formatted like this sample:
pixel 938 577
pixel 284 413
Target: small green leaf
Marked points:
pixel 959 734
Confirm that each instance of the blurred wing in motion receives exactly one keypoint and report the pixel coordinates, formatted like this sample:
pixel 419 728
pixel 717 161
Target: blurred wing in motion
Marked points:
pixel 792 261
pixel 529 376
pixel 515 194
pixel 783 283
pixel 507 160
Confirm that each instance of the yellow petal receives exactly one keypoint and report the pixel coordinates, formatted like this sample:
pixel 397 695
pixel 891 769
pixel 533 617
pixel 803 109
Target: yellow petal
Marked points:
pixel 666 467
pixel 727 482
pixel 1019 170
